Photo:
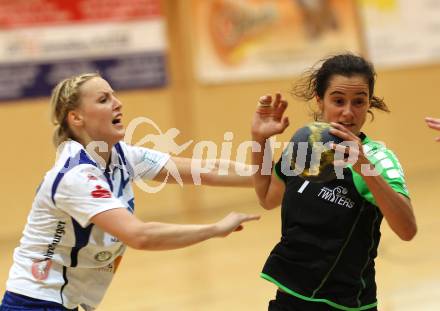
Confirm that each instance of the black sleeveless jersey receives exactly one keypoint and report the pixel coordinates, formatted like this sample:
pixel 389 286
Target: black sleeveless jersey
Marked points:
pixel 330 235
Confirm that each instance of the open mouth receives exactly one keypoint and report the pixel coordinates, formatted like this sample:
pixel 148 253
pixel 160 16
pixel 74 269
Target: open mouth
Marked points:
pixel 117 120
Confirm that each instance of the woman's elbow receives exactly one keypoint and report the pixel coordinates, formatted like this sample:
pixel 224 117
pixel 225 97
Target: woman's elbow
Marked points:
pixel 138 243
pixel 145 244
pixel 147 239
pixel 409 233
pixel 137 239
pixel 267 205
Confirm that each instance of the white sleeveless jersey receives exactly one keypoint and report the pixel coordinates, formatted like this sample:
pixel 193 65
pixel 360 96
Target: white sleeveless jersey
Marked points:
pixel 62 257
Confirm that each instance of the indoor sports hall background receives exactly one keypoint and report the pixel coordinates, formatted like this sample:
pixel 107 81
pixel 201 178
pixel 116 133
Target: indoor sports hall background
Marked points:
pixel 199 66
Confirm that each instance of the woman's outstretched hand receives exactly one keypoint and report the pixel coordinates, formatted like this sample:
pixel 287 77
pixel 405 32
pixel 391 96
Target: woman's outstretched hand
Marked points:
pixel 233 222
pixel 434 124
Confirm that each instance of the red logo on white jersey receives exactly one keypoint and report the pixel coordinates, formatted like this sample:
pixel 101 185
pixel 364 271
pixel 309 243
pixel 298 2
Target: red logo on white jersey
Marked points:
pixel 40 269
pixel 100 192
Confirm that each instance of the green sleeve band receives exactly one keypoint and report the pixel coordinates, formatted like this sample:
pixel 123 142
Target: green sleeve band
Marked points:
pixel 387 164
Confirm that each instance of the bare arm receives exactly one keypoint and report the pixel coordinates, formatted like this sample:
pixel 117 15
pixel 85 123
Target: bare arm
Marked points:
pixel 216 172
pixel 268 120
pixel 395 207
pixel 164 236
pixel 274 194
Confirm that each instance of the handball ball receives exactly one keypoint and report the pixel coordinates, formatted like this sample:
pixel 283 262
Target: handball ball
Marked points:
pixel 311 157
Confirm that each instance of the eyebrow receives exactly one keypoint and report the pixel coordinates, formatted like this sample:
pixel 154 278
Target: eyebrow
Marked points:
pixel 100 93
pixel 342 93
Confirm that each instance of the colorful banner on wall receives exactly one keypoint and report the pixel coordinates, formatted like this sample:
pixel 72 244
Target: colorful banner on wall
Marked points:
pixel 260 39
pixel 402 32
pixel 45 41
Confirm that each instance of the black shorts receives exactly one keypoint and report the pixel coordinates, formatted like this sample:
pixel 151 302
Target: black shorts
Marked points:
pixel 287 302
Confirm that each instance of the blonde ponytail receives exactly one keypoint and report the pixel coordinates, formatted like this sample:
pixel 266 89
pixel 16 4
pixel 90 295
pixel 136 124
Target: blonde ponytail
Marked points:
pixel 65 98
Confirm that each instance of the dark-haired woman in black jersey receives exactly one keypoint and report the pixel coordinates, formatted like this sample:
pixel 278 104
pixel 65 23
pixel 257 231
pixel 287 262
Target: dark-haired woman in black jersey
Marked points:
pixel 331 230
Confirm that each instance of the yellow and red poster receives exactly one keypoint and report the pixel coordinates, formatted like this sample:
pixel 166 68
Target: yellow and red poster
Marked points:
pixel 260 39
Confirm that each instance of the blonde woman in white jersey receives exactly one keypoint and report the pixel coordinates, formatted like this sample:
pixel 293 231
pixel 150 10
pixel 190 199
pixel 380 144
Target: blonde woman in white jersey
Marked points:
pixel 81 220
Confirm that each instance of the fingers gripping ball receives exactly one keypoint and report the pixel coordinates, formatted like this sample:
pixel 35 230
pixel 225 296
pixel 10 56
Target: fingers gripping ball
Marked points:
pixel 310 155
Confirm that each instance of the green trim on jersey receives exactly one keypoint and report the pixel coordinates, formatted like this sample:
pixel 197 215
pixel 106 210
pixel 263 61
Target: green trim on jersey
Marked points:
pixel 277 174
pixel 386 163
pixel 330 303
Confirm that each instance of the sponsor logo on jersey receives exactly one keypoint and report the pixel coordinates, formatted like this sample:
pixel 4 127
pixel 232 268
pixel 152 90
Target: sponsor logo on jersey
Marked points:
pixel 59 232
pixel 40 269
pixel 337 195
pixel 103 256
pixel 100 192
pixel 111 267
